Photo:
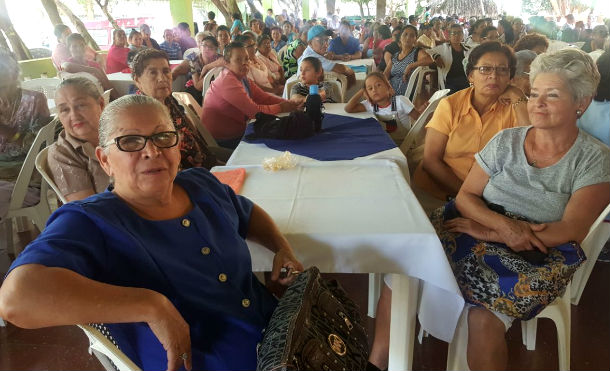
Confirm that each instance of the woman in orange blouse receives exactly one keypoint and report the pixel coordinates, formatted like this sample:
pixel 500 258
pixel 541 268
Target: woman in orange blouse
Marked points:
pixel 464 122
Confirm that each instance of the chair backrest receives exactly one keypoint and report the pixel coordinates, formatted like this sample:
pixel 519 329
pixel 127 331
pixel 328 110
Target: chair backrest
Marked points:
pixel 592 246
pixel 209 77
pixel 63 75
pixel 416 129
pixel 288 85
pixel 103 347
pixel 46 86
pixel 187 100
pixel 42 165
pixel 281 53
pixel 195 118
pixel 44 138
pixel 333 76
pixel 106 96
pixel 190 51
pixel 416 81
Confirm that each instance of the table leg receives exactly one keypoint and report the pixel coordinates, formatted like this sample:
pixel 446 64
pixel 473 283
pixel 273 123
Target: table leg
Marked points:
pixel 402 329
pixel 374 292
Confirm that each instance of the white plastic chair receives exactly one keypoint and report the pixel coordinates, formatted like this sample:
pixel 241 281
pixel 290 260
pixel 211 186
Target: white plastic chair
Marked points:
pixel 333 76
pixel 416 129
pixel 40 212
pixel 209 77
pixel 63 75
pixel 111 357
pixel 558 311
pixel 42 165
pixel 196 120
pixel 187 100
pixel 416 81
pixel 46 86
pixel 106 96
pixel 190 51
pixel 288 85
pixel 592 246
pixel 281 53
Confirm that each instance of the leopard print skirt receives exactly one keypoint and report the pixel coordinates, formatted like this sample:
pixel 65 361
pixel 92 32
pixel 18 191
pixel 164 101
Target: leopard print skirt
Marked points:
pixel 491 275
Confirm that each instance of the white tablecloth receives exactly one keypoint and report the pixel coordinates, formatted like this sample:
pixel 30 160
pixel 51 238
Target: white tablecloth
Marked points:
pixel 255 153
pixel 358 217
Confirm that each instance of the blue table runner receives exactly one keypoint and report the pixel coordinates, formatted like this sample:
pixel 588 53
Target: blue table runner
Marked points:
pixel 341 138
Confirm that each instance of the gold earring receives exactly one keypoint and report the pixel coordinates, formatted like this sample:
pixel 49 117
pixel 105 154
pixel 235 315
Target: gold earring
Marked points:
pixel 471 84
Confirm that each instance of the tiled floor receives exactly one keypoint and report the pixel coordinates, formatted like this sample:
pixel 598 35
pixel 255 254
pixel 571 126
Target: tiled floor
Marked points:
pixel 65 348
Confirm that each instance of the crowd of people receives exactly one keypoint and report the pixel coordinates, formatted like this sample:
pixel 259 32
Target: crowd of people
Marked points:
pixel 515 159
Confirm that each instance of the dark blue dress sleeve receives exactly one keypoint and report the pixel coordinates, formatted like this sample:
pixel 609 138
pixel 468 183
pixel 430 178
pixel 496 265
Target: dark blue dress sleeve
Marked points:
pixel 71 240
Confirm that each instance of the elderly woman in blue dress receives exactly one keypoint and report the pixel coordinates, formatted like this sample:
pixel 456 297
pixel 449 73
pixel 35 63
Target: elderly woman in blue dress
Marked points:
pixel 512 235
pixel 161 259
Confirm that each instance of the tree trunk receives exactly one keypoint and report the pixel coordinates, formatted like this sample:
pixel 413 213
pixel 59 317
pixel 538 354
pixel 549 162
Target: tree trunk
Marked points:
pixel 89 9
pixel 104 8
pixel 17 45
pixel 252 7
pixel 3 42
pixel 330 6
pixel 227 8
pixel 380 9
pixel 80 27
pixel 51 8
pixel 361 9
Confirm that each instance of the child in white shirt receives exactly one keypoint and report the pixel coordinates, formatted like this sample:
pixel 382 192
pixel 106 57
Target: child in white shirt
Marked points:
pixel 394 112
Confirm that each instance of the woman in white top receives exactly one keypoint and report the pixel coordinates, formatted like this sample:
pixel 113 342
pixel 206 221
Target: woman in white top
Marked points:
pixel 448 57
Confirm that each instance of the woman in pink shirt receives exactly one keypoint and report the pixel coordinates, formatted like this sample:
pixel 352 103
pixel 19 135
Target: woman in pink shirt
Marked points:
pixel 233 99
pixel 117 54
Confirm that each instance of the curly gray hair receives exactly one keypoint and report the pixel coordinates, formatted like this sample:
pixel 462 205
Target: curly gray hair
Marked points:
pixel 112 113
pixel 574 66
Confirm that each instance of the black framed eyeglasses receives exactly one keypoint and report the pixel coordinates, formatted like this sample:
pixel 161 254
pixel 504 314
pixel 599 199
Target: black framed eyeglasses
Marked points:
pixel 487 70
pixel 135 143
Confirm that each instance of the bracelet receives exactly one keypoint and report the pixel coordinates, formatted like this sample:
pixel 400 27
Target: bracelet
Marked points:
pixel 520 100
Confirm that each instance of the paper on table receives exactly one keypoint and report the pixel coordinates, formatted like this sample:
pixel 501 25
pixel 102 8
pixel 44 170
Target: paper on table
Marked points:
pixel 233 178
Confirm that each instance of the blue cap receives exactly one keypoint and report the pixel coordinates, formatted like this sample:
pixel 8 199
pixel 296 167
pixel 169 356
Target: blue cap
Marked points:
pixel 316 31
pixel 313 89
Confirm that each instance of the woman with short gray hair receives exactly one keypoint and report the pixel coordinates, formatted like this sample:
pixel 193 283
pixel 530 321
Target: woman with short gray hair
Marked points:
pixel 512 235
pixel 161 259
pixel 72 161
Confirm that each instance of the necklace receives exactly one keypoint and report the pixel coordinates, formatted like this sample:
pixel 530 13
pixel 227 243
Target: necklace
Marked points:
pixel 535 160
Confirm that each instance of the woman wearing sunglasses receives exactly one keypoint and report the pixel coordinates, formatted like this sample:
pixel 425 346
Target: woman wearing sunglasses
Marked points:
pixel 161 260
pixel 464 122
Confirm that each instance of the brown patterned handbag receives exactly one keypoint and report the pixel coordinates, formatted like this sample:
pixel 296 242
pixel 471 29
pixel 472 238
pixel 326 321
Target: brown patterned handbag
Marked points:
pixel 314 327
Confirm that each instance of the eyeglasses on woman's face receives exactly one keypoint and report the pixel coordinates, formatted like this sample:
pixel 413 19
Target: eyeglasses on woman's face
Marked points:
pixel 135 143
pixel 488 70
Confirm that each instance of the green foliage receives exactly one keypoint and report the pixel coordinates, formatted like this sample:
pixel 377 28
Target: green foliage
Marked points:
pixel 536 6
